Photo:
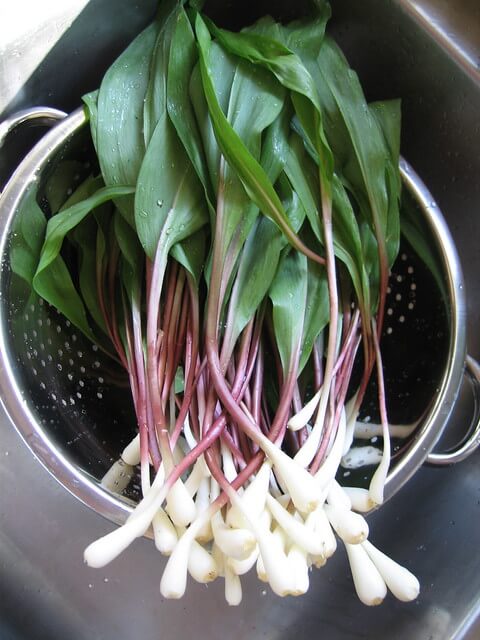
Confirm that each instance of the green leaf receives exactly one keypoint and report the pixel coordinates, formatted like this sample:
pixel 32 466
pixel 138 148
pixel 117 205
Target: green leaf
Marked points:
pixel 59 186
pixel 392 238
pixel 169 200
pixel 388 116
pixel 179 382
pixel 346 237
pixel 370 261
pixel 26 240
pixel 354 133
pixel 222 71
pixel 258 263
pixel 85 238
pixel 133 257
pixel 305 36
pixel 303 177
pixel 317 310
pixel 191 254
pixel 63 222
pixel 347 241
pixel 254 179
pixel 415 230
pixel 290 71
pixel 275 144
pixel 288 293
pixel 265 51
pixel 55 285
pixel 256 100
pixel 119 131
pixel 257 268
pixel 91 109
pixel 251 101
pixel 89 240
pixel 156 91
pixel 128 243
pixel 292 204
pixel 182 61
pixel 52 280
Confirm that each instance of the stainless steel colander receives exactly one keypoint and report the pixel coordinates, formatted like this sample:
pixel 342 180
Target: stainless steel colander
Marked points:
pixel 71 403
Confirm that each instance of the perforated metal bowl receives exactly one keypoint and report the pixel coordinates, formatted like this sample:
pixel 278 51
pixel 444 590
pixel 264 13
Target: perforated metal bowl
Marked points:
pixel 72 406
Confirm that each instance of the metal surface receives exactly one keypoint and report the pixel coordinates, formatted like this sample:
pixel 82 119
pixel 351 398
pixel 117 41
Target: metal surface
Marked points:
pixel 472 441
pixel 432 525
pixel 44 115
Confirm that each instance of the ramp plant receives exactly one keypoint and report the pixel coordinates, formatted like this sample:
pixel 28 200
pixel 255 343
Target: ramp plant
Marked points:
pixel 233 254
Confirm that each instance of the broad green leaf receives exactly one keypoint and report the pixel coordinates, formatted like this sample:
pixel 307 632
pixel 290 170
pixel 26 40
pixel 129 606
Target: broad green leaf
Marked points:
pixel 254 179
pixel 60 185
pixel 26 240
pixel 169 201
pixel 256 100
pixel 370 261
pixel 222 70
pixel 265 26
pixel 388 115
pixel 347 241
pixel 133 257
pixel 55 285
pixel 156 91
pixel 258 264
pixel 292 204
pixel 119 131
pixel 52 280
pixel 418 235
pixel 251 103
pixel 91 108
pixel 62 223
pixel 305 36
pixel 354 133
pixel 288 294
pixel 85 190
pixel 290 71
pixel 346 236
pixel 190 253
pixel 317 310
pixel 392 238
pixel 265 51
pixel 182 61
pixel 85 238
pixel 257 268
pixel 250 100
pixel 303 177
pixel 128 242
pixel 275 144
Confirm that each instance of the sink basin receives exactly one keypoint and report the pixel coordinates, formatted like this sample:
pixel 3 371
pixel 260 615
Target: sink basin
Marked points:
pixel 425 51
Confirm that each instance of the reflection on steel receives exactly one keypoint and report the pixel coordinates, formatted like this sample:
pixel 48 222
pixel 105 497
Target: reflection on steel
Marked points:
pixel 43 530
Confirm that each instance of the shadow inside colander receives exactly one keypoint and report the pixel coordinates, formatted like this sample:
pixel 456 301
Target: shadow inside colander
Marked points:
pixel 78 395
pixel 414 344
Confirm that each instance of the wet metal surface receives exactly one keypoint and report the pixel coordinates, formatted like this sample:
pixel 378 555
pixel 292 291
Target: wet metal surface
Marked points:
pixel 427 52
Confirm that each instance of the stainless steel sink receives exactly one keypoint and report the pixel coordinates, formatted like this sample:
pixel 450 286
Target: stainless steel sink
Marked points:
pixel 428 53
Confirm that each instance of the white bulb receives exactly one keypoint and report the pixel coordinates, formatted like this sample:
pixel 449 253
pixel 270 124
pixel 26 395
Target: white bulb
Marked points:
pixel 369 584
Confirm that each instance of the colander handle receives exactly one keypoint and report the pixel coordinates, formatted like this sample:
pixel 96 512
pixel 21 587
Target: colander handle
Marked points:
pixel 43 115
pixel 468 446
